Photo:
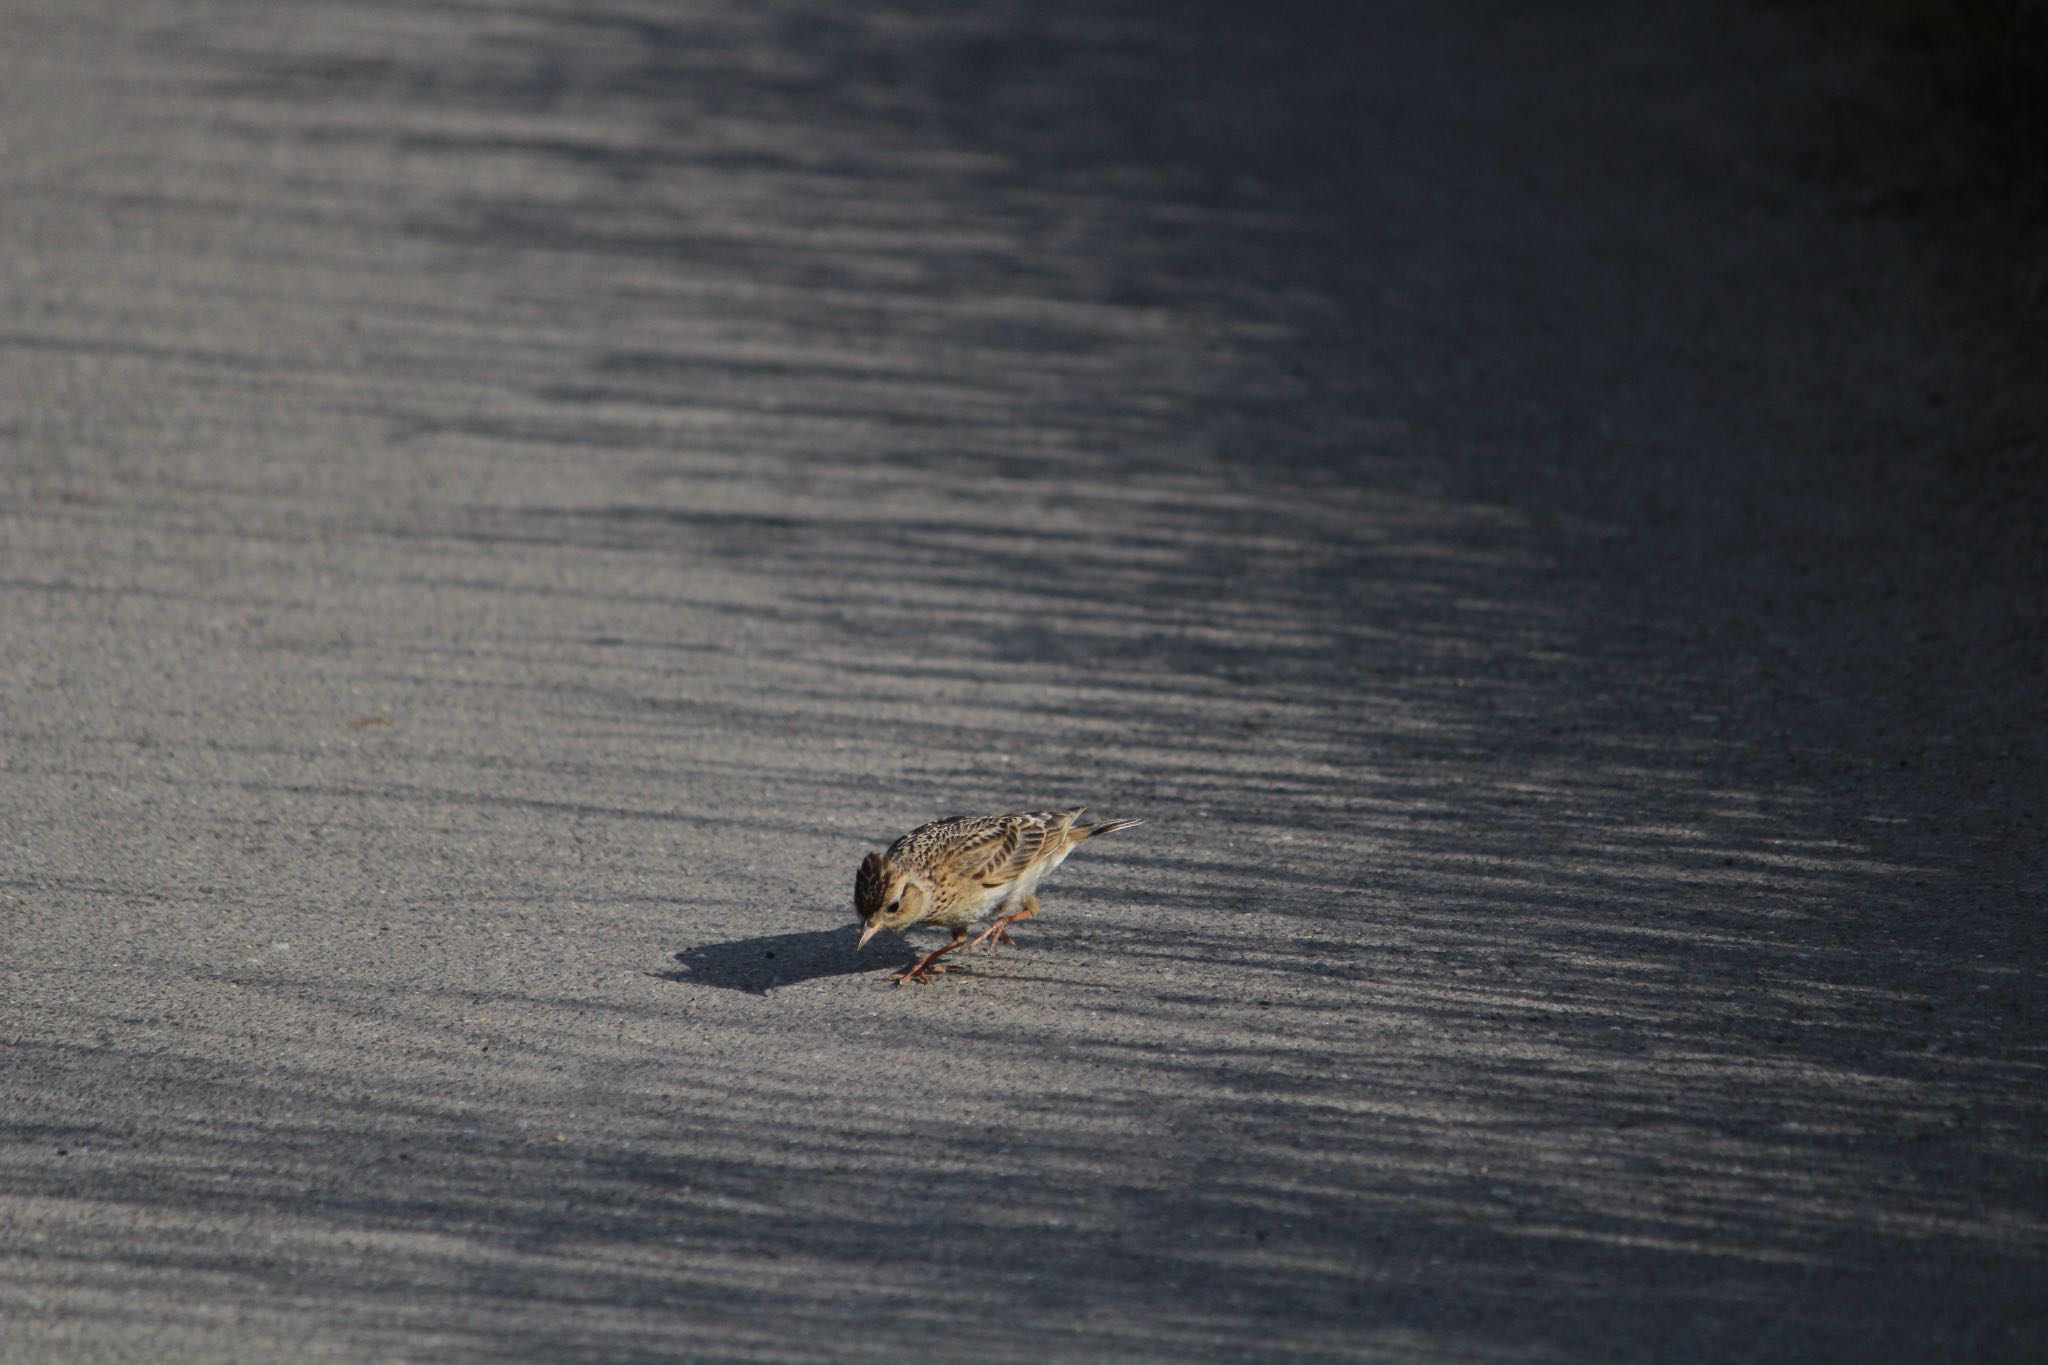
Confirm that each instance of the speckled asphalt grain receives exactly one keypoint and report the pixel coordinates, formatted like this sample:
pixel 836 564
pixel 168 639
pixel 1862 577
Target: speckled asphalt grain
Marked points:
pixel 504 503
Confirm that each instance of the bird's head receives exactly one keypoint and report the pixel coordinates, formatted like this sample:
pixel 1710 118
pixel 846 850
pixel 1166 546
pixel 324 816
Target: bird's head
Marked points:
pixel 886 897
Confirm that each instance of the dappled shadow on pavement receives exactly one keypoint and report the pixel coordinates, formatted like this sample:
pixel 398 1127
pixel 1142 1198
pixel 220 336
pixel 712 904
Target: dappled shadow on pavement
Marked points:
pixel 709 440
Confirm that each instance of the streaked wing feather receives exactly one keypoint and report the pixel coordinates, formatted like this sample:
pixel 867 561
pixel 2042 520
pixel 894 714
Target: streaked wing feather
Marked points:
pixel 1028 838
pixel 991 862
pixel 990 849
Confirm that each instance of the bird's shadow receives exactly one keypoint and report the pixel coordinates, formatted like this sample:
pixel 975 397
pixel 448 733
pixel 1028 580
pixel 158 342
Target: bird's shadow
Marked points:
pixel 758 965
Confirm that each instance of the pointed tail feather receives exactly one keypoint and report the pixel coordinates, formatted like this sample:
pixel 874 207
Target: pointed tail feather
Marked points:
pixel 1106 827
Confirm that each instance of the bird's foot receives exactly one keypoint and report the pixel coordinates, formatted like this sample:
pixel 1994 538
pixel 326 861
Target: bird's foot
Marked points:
pixel 996 933
pixel 999 929
pixel 926 967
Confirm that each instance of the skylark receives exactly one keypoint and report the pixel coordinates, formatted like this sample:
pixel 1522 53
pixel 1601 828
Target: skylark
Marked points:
pixel 959 871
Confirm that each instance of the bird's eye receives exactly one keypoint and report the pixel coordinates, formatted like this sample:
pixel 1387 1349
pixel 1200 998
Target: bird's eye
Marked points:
pixel 890 908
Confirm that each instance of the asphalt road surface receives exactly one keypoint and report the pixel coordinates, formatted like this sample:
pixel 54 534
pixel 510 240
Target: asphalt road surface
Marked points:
pixel 504 504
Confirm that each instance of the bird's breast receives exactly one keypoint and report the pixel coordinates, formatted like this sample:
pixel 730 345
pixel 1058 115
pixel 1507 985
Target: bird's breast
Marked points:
pixel 982 901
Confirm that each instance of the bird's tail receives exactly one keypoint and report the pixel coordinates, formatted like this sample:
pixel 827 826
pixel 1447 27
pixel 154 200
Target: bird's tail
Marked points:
pixel 1106 827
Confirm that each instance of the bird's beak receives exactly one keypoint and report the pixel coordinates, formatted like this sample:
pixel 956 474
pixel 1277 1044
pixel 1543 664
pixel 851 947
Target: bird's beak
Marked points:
pixel 874 927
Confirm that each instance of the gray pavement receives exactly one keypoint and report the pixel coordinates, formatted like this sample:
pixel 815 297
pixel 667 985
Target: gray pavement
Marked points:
pixel 504 503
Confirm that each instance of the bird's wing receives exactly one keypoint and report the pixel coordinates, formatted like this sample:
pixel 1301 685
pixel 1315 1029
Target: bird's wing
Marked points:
pixel 990 849
pixel 1009 850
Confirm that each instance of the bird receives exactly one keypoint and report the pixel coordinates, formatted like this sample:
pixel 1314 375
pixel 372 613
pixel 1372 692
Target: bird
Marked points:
pixel 961 870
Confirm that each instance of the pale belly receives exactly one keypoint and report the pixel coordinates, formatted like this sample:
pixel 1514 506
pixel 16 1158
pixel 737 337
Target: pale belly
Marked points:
pixel 987 903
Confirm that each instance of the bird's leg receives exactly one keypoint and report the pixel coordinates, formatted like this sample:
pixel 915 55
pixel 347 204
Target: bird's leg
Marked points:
pixel 922 970
pixel 999 929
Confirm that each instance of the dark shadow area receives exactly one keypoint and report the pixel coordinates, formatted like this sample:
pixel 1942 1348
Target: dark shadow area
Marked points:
pixel 759 965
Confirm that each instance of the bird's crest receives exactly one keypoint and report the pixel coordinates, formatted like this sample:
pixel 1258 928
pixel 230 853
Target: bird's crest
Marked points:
pixel 871 885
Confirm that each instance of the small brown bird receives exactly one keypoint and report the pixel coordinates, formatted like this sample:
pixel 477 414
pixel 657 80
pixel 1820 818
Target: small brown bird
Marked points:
pixel 961 870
